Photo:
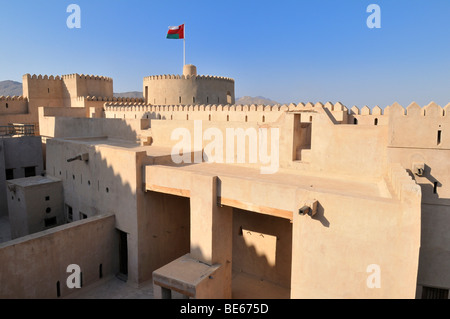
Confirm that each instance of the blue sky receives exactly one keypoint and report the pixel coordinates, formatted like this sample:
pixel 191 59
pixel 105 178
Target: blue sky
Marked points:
pixel 289 51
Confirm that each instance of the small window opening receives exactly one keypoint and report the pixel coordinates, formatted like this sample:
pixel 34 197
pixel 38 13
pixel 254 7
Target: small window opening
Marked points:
pixel 100 271
pixel 355 121
pixel 30 171
pixel 47 198
pixel 7 105
pixel 9 174
pixel 58 289
pixel 439 137
pixel 435 187
pixel 48 210
pixel 69 213
pixel 376 122
pixel 49 222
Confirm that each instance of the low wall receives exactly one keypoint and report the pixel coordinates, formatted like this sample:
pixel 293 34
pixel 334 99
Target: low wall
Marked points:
pixel 31 267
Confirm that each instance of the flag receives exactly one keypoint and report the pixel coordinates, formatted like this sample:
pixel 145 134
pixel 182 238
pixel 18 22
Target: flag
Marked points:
pixel 176 32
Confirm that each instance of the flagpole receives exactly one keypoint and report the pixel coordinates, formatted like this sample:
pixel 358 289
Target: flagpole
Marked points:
pixel 184 45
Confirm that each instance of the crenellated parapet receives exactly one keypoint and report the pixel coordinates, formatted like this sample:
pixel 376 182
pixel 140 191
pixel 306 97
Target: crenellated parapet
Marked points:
pixel 12 98
pixel 111 99
pixel 414 110
pixel 87 77
pixel 186 77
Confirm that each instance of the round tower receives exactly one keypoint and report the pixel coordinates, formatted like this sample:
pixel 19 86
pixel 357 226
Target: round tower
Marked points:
pixel 189 70
pixel 188 89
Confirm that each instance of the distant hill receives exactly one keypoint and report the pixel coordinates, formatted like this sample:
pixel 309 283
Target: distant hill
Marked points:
pixel 258 100
pixel 134 94
pixel 10 88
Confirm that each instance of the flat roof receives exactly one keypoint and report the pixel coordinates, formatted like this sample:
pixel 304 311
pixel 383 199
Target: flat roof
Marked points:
pixel 33 181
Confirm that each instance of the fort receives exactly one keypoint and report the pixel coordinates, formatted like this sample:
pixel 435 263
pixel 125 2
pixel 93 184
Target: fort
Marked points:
pixel 355 187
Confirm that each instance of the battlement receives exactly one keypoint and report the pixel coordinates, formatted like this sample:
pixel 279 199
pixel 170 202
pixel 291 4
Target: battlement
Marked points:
pixel 186 77
pixel 133 106
pixel 414 110
pixel 42 77
pixel 123 100
pixel 87 77
pixel 67 77
pixel 12 98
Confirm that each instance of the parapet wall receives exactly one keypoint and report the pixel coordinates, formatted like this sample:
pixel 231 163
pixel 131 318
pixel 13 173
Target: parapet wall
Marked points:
pixel 65 89
pixel 13 105
pixel 416 127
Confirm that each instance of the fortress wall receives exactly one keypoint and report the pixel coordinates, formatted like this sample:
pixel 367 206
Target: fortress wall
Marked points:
pixel 42 87
pixel 90 85
pixel 87 243
pixel 355 233
pixel 13 105
pixel 427 127
pixel 185 90
pixel 62 111
pixel 223 113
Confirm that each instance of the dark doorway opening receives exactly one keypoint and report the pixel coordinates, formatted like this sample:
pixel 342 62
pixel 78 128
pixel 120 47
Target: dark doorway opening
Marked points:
pixel 123 255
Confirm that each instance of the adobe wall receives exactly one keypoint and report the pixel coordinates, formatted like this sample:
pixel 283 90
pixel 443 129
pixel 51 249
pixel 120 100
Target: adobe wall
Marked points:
pixel 262 247
pixel 420 136
pixel 89 244
pixel 13 105
pixel 109 182
pixel 164 231
pixel 333 251
pixel 3 199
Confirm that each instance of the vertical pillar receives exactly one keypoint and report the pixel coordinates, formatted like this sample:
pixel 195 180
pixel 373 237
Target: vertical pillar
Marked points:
pixel 211 232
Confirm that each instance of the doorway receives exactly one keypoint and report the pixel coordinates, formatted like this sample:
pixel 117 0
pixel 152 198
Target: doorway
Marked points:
pixel 123 255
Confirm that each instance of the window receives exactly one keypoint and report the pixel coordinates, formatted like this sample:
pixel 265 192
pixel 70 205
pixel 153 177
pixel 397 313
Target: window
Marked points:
pixel 434 293
pixel 9 174
pixel 69 213
pixel 439 137
pixel 435 187
pixel 49 222
pixel 100 271
pixel 58 289
pixel 48 210
pixel 47 198
pixel 83 216
pixel 376 122
pixel 355 121
pixel 7 105
pixel 229 99
pixel 30 171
